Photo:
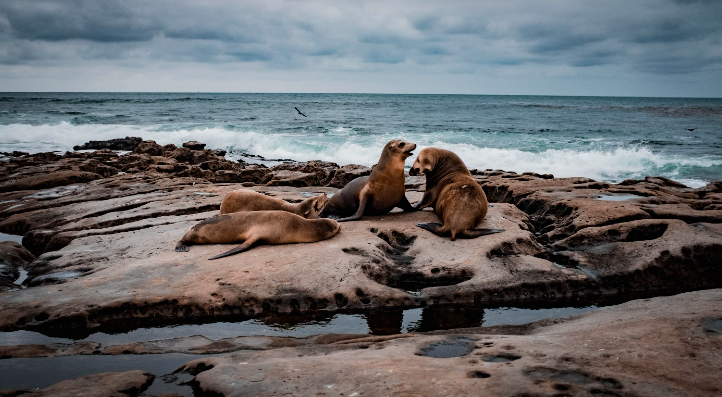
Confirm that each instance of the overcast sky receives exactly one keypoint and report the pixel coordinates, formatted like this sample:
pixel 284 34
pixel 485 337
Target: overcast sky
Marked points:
pixel 615 47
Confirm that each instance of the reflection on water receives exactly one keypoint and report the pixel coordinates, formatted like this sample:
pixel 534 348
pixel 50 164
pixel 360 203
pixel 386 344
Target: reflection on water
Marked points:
pixel 377 322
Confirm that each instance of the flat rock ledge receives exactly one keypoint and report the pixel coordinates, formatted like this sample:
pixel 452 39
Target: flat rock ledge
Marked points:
pixel 104 247
pixel 664 346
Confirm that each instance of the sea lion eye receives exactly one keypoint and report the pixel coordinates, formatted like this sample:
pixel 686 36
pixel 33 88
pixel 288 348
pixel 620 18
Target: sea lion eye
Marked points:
pixel 401 144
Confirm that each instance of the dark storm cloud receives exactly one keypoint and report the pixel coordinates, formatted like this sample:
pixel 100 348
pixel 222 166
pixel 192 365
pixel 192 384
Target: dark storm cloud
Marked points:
pixel 652 36
pixel 76 19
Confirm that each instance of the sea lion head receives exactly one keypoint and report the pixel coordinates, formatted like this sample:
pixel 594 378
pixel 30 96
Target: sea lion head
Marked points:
pixel 425 162
pixel 312 206
pixel 400 147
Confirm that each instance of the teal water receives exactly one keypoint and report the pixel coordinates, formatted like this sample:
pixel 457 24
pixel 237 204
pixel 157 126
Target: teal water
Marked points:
pixel 604 138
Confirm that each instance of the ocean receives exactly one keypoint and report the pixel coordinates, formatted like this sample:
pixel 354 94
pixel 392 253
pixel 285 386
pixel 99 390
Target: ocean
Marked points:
pixel 605 138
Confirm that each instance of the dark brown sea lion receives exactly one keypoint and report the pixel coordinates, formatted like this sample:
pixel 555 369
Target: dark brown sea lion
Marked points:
pixel 268 227
pixel 247 200
pixel 377 193
pixel 456 197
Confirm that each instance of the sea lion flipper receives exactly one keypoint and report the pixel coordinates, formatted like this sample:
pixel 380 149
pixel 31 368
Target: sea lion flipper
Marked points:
pixel 405 205
pixel 243 247
pixel 474 233
pixel 182 246
pixel 436 228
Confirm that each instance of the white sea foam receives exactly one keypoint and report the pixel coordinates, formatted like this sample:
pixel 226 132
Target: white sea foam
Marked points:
pixel 613 165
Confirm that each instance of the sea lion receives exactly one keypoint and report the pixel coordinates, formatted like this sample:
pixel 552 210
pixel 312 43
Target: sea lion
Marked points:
pixel 457 199
pixel 377 193
pixel 247 200
pixel 269 227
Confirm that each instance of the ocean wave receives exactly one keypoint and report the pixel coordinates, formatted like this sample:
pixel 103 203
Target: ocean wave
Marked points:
pixel 343 146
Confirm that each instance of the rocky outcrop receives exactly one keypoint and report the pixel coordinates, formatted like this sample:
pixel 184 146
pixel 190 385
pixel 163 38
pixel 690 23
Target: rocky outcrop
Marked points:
pixel 107 384
pixel 125 144
pixel 565 240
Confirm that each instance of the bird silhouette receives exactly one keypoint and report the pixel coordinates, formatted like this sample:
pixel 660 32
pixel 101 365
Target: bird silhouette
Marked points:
pixel 299 112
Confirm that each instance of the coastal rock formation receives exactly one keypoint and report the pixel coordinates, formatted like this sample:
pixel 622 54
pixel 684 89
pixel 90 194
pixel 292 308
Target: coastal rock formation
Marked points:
pixel 660 346
pixel 111 240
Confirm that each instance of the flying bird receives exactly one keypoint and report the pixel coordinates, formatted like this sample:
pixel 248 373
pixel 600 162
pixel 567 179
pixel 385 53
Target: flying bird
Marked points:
pixel 299 112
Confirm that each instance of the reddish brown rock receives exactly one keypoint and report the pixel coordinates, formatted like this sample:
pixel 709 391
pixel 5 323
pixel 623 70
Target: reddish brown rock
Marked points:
pixel 45 181
pixel 150 148
pixel 194 145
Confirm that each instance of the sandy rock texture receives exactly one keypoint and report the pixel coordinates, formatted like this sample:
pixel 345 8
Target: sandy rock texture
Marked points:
pixel 655 347
pixel 105 253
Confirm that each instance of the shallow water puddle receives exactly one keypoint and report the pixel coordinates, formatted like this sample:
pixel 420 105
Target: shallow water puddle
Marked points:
pixel 382 322
pixel 31 373
pixel 23 373
pixel 11 237
pixel 454 347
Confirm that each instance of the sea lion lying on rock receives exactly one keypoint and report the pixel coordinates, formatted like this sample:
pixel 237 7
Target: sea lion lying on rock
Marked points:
pixel 377 193
pixel 247 200
pixel 269 227
pixel 456 197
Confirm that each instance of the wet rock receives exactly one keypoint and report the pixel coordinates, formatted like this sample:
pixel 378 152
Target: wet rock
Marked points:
pixel 219 152
pixel 182 155
pixel 126 144
pixel 13 256
pixel 194 145
pixel 343 175
pixel 149 147
pixel 110 384
pixel 169 148
pixel 45 181
pixel 99 168
pixel 292 178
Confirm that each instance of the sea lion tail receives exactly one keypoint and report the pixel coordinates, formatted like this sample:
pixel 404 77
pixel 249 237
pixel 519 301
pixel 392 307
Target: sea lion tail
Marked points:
pixel 474 233
pixel 181 246
pixel 243 247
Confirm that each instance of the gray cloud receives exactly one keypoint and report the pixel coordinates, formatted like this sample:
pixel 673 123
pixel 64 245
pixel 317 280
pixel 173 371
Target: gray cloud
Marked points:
pixel 659 37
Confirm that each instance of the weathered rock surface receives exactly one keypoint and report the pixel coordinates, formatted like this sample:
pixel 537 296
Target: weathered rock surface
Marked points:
pixel 111 241
pixel 107 384
pixel 655 347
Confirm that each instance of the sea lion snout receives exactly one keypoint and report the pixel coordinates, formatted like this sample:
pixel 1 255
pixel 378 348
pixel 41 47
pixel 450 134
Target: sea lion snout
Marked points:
pixel 404 148
pixel 414 171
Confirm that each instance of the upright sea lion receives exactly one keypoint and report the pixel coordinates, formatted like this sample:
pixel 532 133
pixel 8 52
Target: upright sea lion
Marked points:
pixel 456 197
pixel 269 227
pixel 377 193
pixel 247 200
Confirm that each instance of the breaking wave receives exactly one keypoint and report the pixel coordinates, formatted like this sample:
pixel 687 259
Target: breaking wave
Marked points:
pixel 344 146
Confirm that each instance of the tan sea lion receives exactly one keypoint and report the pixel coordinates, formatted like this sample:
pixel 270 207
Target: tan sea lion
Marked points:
pixel 247 200
pixel 377 193
pixel 269 227
pixel 457 199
